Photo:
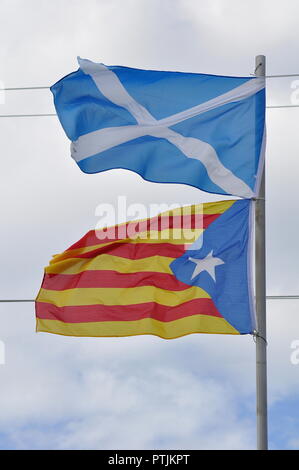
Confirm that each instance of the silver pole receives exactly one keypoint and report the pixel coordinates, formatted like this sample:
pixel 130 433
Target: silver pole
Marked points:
pixel 260 293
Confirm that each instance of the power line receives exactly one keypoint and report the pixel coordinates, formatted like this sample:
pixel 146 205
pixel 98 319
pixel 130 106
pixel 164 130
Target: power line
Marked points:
pixel 282 297
pixel 283 76
pixel 26 115
pixel 47 87
pixel 25 88
pixel 53 114
pixel 283 106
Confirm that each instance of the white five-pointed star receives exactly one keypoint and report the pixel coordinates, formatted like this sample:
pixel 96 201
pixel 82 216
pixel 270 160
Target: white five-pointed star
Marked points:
pixel 206 264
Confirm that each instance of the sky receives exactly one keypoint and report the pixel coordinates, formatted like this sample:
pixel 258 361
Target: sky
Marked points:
pixel 195 392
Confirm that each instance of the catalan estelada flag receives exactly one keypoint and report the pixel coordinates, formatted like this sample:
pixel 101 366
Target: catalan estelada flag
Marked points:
pixel 184 271
pixel 205 131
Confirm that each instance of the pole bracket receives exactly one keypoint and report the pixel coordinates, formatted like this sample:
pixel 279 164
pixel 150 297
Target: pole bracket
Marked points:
pixel 256 335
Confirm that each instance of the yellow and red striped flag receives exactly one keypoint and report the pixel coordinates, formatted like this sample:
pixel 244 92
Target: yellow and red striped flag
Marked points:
pixel 127 280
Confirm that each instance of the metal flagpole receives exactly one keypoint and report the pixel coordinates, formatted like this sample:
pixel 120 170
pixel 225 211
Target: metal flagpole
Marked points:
pixel 260 293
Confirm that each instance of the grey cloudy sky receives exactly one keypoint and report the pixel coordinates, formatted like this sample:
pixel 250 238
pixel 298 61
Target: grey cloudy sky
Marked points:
pixel 193 392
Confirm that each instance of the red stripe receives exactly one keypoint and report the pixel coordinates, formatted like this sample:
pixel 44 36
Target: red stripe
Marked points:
pixel 134 250
pixel 96 237
pixel 98 313
pixel 109 278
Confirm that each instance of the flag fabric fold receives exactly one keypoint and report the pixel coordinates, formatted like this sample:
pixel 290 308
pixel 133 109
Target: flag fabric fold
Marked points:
pixel 184 271
pixel 205 131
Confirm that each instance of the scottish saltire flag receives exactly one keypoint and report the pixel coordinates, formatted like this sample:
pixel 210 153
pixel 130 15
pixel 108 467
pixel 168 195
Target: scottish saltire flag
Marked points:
pixel 169 276
pixel 169 127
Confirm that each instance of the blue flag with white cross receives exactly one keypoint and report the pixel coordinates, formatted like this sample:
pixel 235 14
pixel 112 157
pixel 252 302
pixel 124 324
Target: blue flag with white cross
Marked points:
pixel 205 131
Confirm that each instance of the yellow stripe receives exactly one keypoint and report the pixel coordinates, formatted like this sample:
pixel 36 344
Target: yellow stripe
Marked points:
pixel 146 326
pixel 159 264
pixel 215 207
pixel 174 236
pixel 119 296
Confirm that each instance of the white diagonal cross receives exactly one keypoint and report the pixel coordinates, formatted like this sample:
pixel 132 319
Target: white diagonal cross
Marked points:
pixel 103 139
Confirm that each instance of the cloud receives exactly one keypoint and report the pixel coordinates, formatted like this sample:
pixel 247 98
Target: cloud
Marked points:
pixel 73 393
pixel 139 392
pixel 244 28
